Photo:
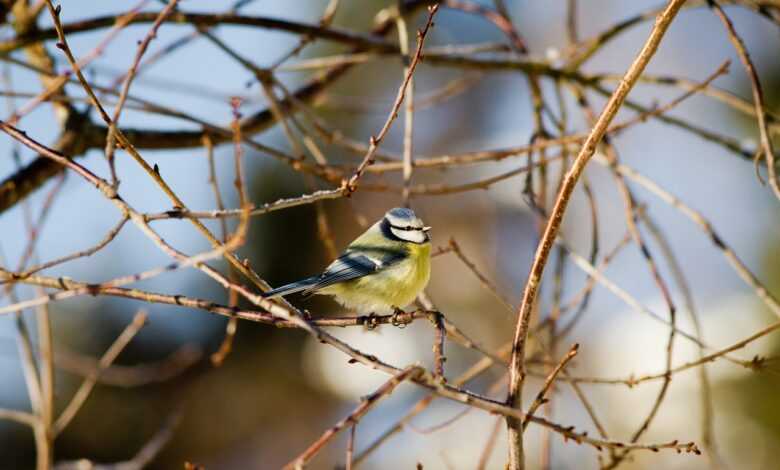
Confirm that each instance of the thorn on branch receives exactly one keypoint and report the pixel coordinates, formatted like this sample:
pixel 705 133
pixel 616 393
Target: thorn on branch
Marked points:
pixel 631 382
pixel 757 363
pixel 235 103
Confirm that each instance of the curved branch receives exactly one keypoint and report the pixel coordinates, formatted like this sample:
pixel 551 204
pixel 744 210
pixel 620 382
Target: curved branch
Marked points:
pixel 371 41
pixel 517 369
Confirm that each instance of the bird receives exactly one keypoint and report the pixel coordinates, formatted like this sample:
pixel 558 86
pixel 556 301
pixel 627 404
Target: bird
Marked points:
pixel 380 272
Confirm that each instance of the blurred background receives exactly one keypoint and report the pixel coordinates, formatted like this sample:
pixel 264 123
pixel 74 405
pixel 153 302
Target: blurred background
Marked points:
pixel 280 389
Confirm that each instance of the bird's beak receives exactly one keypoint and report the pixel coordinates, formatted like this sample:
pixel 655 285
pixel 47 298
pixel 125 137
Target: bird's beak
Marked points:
pixel 426 229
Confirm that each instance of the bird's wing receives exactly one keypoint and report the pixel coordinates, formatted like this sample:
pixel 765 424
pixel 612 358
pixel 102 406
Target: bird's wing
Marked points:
pixel 353 265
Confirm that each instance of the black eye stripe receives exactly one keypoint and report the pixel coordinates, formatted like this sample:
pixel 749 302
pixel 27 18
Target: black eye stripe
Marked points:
pixel 407 228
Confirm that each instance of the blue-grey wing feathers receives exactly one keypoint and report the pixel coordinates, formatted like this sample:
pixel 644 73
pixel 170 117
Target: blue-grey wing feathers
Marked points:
pixel 292 287
pixel 348 266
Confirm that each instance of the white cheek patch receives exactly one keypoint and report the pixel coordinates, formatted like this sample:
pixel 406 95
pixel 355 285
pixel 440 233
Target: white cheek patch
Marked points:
pixel 414 236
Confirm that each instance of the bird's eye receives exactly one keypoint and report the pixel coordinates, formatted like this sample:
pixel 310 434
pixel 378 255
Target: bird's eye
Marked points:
pixel 406 228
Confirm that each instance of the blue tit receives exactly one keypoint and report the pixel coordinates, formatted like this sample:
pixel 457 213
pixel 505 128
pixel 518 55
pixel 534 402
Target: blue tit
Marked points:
pixel 380 271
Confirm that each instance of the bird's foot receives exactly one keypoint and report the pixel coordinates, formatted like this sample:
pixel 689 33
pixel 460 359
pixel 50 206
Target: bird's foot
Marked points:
pixel 397 320
pixel 370 321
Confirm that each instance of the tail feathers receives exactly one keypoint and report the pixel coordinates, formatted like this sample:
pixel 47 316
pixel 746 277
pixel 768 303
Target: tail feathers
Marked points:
pixel 291 288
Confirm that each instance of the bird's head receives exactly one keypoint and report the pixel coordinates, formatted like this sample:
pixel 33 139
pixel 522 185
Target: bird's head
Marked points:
pixel 403 224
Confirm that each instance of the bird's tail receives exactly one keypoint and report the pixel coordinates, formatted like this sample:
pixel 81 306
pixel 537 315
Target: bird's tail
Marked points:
pixel 291 288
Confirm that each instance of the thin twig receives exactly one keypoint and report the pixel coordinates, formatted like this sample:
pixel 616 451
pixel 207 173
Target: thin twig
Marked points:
pixel 366 41
pixel 350 447
pixel 81 395
pixel 438 344
pixel 403 41
pixel 131 73
pixel 548 382
pixel 374 142
pixel 46 361
pixel 142 458
pixel 708 413
pixel 736 263
pixel 366 404
pixel 517 374
pixel 127 376
pixel 108 238
pixel 758 96
pixel 490 444
pixel 21 417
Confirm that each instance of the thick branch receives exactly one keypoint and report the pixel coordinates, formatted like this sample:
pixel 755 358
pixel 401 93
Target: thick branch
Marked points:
pixel 517 369
pixel 363 41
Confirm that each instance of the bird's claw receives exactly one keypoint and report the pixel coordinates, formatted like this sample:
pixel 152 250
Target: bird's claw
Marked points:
pixel 370 321
pixel 397 321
